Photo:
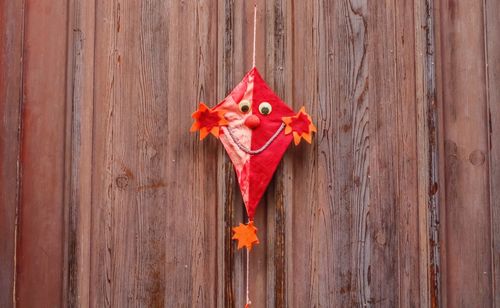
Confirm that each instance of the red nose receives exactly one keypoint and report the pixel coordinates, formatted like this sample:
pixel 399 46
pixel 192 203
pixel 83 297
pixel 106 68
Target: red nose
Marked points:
pixel 252 122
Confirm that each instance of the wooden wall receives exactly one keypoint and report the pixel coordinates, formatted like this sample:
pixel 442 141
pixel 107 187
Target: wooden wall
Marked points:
pixel 469 79
pixel 107 200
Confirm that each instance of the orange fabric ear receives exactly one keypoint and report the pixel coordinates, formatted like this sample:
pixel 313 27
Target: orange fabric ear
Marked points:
pixel 300 125
pixel 207 121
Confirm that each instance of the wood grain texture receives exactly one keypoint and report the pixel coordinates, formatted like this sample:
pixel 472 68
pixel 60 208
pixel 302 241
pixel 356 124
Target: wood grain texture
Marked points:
pixel 158 236
pixel 11 34
pixel 467 268
pixel 407 171
pixel 393 161
pixel 343 149
pixel 394 204
pixel 227 189
pixel 427 153
pixel 492 64
pixel 383 117
pixel 198 67
pixel 331 211
pixel 306 220
pixel 357 211
pixel 79 143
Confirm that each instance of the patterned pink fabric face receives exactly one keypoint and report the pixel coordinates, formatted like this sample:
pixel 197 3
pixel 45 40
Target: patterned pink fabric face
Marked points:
pixel 254 138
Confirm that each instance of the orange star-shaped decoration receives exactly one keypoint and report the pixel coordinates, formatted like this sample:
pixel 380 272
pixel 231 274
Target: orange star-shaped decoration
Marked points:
pixel 207 121
pixel 246 235
pixel 301 125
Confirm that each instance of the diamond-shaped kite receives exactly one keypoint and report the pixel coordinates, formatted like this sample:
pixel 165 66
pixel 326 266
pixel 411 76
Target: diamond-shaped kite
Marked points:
pixel 256 127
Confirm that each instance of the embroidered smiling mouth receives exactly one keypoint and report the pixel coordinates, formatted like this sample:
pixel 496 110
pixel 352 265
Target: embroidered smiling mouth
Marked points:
pixel 259 150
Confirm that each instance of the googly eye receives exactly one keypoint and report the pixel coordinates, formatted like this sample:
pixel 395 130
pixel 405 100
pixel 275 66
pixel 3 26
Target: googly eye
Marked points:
pixel 244 106
pixel 265 108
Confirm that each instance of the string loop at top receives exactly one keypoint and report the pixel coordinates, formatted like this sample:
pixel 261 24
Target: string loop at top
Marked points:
pixel 254 31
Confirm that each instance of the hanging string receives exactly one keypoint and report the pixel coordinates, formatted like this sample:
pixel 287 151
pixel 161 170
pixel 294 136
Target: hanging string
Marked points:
pixel 248 302
pixel 254 30
pixel 248 275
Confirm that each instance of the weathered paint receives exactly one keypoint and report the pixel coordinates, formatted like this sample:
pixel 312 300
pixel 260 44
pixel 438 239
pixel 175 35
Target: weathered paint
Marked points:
pixel 132 209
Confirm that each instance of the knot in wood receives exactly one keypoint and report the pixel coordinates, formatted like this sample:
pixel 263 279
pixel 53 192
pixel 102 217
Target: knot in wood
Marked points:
pixel 477 158
pixel 122 181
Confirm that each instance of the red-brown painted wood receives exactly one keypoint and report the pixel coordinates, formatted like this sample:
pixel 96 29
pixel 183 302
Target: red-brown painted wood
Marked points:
pixel 466 159
pixel 11 33
pixel 394 203
pixel 40 247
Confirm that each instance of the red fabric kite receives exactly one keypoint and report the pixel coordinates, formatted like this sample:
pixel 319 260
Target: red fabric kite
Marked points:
pixel 256 127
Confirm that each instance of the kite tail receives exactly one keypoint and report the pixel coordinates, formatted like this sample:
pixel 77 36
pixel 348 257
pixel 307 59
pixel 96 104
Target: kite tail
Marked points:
pixel 248 302
pixel 246 235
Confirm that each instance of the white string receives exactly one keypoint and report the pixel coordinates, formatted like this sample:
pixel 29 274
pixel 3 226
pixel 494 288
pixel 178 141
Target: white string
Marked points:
pixel 248 275
pixel 265 146
pixel 254 30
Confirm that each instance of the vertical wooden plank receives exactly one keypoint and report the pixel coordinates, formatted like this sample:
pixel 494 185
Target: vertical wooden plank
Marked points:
pixel 427 152
pixel 462 75
pixel 343 169
pixel 406 205
pixel 101 274
pixel 41 211
pixel 226 188
pixel 394 200
pixel 441 154
pixel 191 164
pixel 383 222
pixel 11 36
pixel 81 101
pixel 354 99
pixel 492 64
pixel 278 75
pixel 111 177
pixel 309 265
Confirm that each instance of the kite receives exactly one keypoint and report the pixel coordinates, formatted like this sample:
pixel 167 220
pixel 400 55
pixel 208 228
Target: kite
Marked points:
pixel 255 127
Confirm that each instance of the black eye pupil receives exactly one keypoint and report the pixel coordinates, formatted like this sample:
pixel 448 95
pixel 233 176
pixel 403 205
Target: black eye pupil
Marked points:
pixel 265 110
pixel 245 108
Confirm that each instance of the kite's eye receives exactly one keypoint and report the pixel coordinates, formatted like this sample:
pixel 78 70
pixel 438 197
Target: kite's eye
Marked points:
pixel 244 106
pixel 265 108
